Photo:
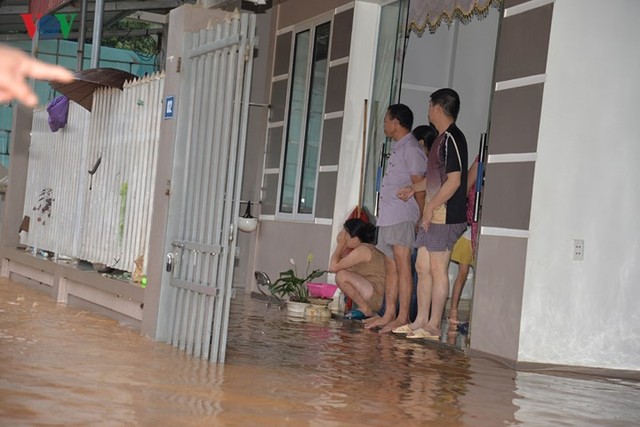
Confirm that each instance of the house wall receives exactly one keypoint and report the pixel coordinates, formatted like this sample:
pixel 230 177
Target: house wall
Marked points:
pixel 506 202
pixel 585 312
pixel 254 154
pixel 278 240
pixel 14 199
pixel 292 12
pixel 562 111
pixel 362 57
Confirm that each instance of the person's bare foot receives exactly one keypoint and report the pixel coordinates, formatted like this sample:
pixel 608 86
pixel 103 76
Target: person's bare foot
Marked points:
pixel 377 322
pixel 416 325
pixel 370 319
pixel 393 324
pixel 432 330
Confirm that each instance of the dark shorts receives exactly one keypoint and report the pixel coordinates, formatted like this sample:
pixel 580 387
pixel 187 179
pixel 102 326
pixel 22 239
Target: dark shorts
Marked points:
pixel 440 237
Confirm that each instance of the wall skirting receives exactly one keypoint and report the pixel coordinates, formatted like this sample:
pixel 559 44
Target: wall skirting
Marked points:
pixel 66 280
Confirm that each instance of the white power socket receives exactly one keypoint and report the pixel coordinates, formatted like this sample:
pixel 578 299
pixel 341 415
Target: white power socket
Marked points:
pixel 578 249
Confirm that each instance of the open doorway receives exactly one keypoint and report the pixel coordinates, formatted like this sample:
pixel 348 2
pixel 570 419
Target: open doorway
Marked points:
pixel 460 56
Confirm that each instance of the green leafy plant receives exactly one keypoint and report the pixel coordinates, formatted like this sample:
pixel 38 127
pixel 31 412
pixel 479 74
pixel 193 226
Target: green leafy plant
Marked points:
pixel 290 285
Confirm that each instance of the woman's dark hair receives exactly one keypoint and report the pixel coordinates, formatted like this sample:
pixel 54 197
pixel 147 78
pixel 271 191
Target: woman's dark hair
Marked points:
pixel 362 230
pixel 427 134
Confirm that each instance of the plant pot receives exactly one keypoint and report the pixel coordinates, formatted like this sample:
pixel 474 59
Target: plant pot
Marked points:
pixel 296 309
pixel 321 302
pixel 318 308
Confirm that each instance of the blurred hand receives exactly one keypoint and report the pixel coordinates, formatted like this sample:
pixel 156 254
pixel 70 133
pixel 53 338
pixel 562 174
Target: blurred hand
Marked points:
pixel 16 66
pixel 405 193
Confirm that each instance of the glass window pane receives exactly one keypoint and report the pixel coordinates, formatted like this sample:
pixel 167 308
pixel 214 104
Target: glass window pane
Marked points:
pixel 314 118
pixel 296 121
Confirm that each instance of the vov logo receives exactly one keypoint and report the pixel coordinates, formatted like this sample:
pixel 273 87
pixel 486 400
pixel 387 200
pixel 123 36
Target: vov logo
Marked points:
pixel 50 25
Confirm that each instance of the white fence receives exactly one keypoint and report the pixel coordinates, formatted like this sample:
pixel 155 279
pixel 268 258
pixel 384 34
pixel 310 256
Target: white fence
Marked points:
pixel 101 217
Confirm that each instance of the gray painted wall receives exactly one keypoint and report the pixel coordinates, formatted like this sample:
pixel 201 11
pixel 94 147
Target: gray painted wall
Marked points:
pixel 502 249
pixel 277 240
pixel 254 154
pixel 575 179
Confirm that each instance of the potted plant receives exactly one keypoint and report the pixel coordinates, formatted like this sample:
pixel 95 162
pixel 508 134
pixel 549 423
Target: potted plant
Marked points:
pixel 294 288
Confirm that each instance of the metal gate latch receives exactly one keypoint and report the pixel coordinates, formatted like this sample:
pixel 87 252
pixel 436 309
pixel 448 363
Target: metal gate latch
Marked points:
pixel 169 266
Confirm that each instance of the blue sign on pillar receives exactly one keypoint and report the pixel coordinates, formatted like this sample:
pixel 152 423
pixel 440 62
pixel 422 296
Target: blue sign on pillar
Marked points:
pixel 169 106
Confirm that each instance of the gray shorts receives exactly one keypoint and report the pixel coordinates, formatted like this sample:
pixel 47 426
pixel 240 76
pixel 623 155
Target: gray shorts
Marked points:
pixel 440 237
pixel 403 234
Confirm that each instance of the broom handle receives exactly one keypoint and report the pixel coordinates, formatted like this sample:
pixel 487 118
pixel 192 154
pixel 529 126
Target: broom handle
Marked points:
pixel 364 149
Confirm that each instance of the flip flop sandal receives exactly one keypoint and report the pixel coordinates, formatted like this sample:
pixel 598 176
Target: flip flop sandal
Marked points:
pixel 355 315
pixel 421 333
pixel 404 329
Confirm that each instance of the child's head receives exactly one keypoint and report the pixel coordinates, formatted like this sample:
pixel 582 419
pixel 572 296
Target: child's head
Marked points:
pixel 425 134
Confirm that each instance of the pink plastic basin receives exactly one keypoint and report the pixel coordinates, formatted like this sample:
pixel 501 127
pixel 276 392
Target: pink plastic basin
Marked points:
pixel 322 290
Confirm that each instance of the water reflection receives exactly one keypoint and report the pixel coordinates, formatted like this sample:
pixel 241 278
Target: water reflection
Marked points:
pixel 576 397
pixel 64 366
pixel 347 371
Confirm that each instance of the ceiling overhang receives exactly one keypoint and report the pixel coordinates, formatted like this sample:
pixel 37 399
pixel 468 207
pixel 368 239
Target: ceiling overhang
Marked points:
pixel 13 14
pixel 427 15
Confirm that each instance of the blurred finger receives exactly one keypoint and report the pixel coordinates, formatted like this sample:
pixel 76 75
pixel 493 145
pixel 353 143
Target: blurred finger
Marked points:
pixel 42 71
pixel 12 87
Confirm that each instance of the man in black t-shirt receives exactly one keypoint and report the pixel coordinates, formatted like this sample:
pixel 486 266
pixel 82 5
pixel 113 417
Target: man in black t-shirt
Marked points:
pixel 444 216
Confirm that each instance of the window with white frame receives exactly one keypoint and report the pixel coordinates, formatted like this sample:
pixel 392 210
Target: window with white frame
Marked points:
pixel 304 122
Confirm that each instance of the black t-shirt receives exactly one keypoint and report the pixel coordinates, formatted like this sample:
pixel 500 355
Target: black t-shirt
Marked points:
pixel 455 158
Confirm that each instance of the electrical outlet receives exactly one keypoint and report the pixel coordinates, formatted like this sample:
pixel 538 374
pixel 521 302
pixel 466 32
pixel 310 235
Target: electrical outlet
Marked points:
pixel 578 250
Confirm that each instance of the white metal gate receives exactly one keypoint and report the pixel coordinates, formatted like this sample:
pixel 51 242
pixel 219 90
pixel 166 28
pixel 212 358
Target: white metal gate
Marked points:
pixel 213 110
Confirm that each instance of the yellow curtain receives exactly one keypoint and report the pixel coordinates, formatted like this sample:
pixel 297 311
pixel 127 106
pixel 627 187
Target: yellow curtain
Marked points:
pixel 429 14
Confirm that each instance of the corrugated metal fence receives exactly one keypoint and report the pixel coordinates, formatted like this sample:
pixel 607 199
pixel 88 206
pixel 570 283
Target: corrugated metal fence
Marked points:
pixel 90 185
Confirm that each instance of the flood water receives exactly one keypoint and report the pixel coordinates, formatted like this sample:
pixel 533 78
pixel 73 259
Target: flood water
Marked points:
pixel 65 366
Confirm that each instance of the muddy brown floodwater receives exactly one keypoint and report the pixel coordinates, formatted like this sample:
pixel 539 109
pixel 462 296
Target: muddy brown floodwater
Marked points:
pixel 65 366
